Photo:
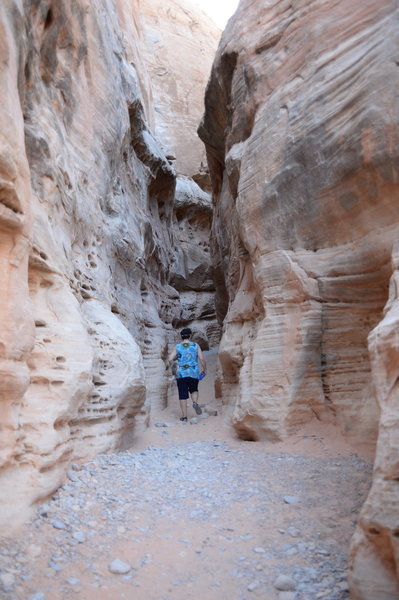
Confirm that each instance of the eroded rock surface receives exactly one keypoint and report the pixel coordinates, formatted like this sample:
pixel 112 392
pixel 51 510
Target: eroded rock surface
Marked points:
pixel 192 272
pixel 301 129
pixel 374 566
pixel 180 42
pixel 88 241
pixel 304 182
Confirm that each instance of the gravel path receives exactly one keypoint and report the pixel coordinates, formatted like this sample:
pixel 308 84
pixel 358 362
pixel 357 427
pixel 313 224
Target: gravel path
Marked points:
pixel 192 517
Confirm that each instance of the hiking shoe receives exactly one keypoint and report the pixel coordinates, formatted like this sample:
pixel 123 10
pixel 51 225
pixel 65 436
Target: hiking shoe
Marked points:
pixel 183 419
pixel 197 408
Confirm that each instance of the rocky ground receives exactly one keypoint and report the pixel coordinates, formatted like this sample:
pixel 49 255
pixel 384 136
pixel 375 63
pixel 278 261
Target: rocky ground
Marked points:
pixel 192 512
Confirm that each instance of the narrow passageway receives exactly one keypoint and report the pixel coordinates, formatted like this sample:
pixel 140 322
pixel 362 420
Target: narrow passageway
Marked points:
pixel 193 512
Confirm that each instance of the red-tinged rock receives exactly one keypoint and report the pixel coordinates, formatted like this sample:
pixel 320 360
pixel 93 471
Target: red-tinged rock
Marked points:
pixel 301 130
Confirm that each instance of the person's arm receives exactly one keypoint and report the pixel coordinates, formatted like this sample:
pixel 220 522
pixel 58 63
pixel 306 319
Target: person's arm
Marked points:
pixel 201 360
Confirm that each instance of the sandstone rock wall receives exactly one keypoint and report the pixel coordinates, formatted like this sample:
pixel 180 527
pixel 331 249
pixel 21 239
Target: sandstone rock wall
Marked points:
pixel 374 553
pixel 301 130
pixel 180 42
pixel 88 241
pixel 192 272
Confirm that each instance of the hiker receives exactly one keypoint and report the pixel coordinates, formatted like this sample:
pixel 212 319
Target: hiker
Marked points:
pixel 191 367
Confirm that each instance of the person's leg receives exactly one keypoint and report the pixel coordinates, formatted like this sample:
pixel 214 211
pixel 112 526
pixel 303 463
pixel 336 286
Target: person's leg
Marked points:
pixel 182 386
pixel 193 388
pixel 183 407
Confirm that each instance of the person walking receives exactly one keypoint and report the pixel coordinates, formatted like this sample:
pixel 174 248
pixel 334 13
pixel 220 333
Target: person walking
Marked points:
pixel 190 365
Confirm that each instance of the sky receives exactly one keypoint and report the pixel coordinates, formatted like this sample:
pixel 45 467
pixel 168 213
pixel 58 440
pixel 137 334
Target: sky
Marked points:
pixel 219 10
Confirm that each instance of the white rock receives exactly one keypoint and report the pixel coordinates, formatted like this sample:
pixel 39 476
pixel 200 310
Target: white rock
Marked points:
pixel 79 536
pixel 71 476
pixel 37 596
pixel 253 586
pixel 58 525
pixel 118 567
pixel 43 510
pixel 34 550
pixel 7 580
pixel 291 499
pixel 284 583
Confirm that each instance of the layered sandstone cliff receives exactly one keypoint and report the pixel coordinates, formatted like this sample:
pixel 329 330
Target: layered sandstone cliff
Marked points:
pixel 301 130
pixel 89 241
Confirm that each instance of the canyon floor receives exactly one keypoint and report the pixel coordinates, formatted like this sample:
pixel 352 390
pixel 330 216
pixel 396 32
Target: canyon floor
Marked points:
pixel 192 512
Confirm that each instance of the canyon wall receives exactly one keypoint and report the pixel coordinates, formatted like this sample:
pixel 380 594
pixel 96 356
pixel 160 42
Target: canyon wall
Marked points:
pixel 90 240
pixel 301 131
pixel 180 42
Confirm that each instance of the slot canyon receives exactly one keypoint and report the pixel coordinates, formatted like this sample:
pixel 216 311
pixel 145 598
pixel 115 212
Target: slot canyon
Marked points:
pixel 157 173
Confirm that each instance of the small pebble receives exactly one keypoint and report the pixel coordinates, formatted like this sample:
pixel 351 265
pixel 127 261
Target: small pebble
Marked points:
pixel 58 525
pixel 37 596
pixel 118 567
pixel 44 510
pixel 343 586
pixel 7 580
pixel 34 550
pixel 253 586
pixel 291 499
pixel 284 583
pixel 259 550
pixel 73 581
pixel 79 536
pixel 54 565
pixel 71 476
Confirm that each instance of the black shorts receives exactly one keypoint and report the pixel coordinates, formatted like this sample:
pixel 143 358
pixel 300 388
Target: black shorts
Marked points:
pixel 186 385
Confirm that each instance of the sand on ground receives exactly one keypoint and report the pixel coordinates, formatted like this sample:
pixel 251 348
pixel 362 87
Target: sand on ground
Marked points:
pixel 193 512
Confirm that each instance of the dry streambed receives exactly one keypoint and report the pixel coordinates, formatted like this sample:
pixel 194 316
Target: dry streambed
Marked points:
pixel 192 519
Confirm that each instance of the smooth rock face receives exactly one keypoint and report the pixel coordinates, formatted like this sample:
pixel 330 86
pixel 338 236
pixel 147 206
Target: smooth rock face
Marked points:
pixel 180 42
pixel 88 240
pixel 301 128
